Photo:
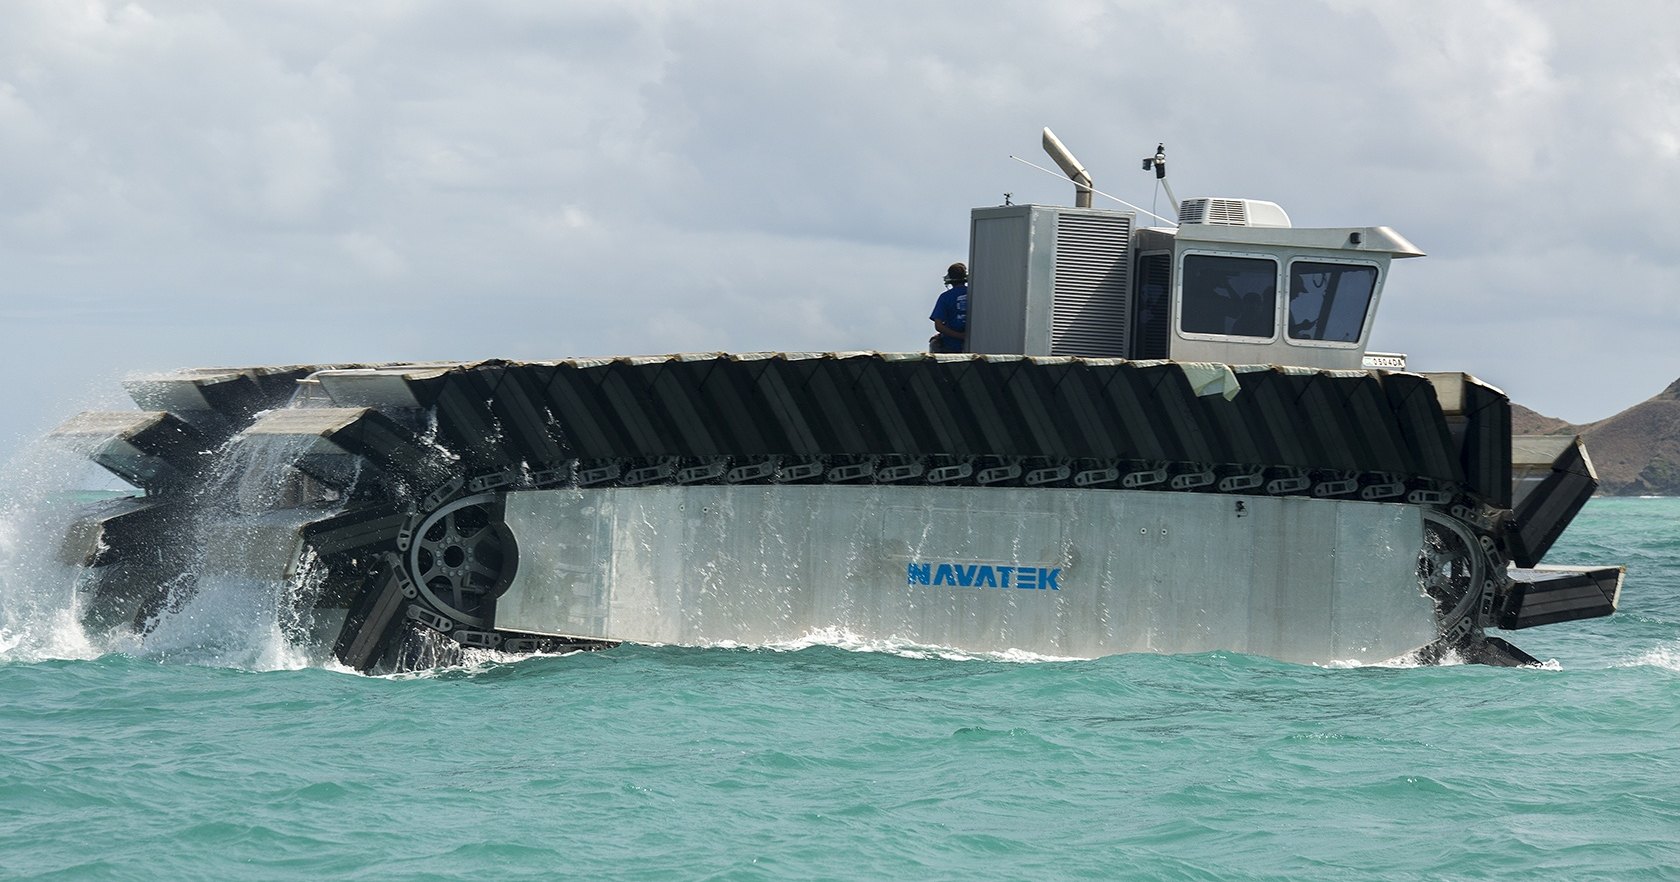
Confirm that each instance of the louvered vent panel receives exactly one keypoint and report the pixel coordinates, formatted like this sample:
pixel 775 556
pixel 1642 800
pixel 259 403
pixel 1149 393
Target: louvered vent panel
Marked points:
pixel 1231 212
pixel 1090 308
pixel 1153 310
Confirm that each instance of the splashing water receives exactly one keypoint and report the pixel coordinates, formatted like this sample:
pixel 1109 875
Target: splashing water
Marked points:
pixel 40 492
pixel 843 639
pixel 243 597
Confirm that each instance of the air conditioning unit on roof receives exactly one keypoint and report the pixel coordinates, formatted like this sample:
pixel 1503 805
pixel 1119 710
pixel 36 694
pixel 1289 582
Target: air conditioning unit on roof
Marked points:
pixel 1232 212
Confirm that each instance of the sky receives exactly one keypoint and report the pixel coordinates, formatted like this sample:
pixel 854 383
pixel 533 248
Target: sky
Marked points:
pixel 188 183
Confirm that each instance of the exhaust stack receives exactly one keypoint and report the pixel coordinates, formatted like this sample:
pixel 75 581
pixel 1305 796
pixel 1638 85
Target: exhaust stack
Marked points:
pixel 1075 172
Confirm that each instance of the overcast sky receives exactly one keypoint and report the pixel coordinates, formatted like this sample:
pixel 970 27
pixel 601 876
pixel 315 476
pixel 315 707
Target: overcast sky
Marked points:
pixel 189 183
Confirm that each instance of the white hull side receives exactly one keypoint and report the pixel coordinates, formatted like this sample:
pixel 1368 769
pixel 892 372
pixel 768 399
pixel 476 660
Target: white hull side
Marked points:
pixel 1301 580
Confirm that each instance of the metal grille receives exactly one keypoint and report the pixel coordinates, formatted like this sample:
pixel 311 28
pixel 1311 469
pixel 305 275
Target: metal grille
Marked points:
pixel 1090 303
pixel 1153 318
pixel 1233 212
pixel 1229 212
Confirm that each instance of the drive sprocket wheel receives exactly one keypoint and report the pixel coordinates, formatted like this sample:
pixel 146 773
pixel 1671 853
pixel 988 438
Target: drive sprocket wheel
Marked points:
pixel 464 557
pixel 1450 568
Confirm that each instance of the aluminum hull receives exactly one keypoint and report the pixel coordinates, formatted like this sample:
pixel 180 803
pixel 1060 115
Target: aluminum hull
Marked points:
pixel 1057 572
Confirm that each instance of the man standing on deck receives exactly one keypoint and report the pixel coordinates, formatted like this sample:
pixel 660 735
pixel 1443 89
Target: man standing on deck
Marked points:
pixel 950 313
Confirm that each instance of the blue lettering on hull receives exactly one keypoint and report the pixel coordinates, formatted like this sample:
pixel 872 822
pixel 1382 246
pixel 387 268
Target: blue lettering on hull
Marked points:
pixel 958 575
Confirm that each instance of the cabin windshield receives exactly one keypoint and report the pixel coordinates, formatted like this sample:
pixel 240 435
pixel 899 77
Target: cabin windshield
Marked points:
pixel 1230 296
pixel 1328 301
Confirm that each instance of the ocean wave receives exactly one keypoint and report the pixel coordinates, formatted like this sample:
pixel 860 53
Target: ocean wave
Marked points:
pixel 1667 657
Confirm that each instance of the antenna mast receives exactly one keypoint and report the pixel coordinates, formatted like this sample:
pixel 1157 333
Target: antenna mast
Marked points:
pixel 1158 162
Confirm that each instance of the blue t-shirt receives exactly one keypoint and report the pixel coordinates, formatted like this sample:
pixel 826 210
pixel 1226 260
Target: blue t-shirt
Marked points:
pixel 952 309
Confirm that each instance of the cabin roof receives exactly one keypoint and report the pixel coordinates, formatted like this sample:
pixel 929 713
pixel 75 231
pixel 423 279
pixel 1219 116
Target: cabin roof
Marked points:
pixel 1372 240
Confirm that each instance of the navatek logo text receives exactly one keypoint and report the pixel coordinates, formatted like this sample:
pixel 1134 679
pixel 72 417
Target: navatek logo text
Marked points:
pixel 961 575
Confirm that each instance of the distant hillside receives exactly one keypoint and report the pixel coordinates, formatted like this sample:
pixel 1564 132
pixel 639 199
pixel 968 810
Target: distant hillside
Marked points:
pixel 1528 422
pixel 1636 452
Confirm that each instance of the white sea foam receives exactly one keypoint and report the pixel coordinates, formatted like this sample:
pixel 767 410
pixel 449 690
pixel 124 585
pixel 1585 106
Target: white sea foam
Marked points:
pixel 1657 657
pixel 467 660
pixel 230 607
pixel 1449 658
pixel 840 638
pixel 38 614
pixel 1414 659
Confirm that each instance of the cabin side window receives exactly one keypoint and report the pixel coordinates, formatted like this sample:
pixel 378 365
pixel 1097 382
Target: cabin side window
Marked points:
pixel 1229 296
pixel 1328 301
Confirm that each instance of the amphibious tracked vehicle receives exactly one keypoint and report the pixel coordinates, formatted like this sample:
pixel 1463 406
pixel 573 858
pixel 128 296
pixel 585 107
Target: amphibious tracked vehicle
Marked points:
pixel 1166 438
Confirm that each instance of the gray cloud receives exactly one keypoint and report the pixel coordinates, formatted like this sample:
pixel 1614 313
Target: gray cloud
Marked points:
pixel 190 183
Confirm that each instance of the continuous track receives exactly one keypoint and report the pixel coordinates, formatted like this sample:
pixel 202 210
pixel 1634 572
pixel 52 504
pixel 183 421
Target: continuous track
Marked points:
pixel 401 469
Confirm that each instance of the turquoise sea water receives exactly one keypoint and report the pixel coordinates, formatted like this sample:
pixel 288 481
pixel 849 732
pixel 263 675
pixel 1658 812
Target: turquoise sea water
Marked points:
pixel 849 762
